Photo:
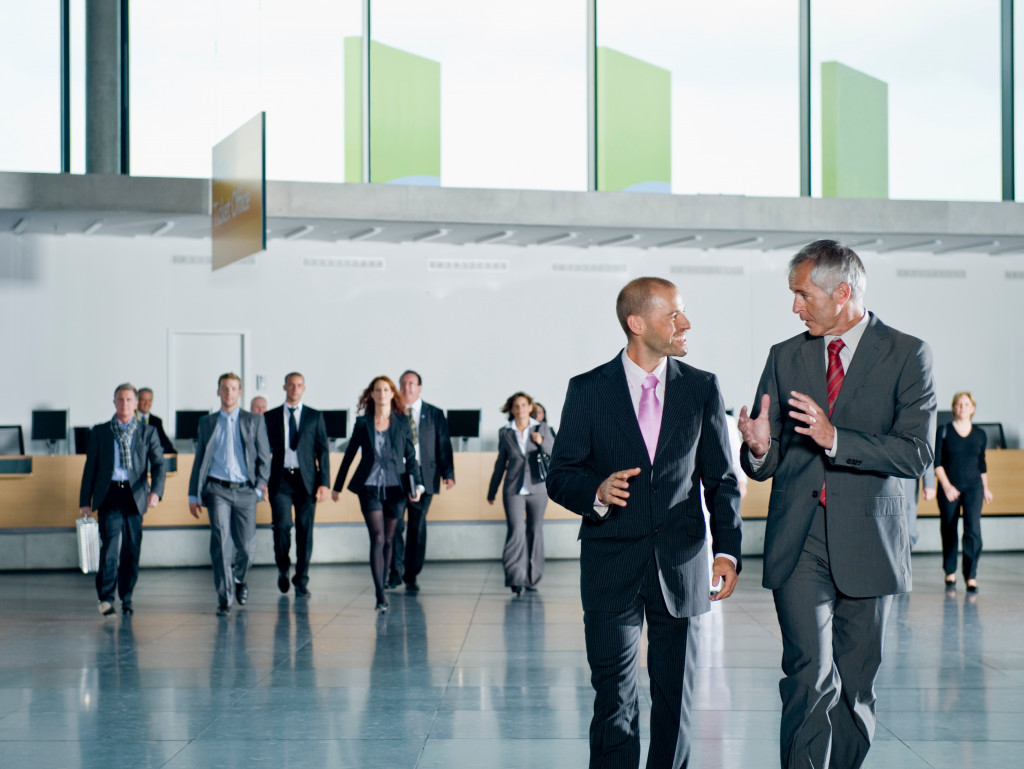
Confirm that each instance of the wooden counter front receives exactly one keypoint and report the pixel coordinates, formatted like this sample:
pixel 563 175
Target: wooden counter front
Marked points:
pixel 48 497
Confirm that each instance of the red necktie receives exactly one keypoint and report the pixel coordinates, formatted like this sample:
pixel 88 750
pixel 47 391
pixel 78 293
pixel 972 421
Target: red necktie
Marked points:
pixel 834 382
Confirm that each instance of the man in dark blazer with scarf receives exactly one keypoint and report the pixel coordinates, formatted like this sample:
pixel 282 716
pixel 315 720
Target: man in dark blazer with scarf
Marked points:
pixel 229 476
pixel 844 413
pixel 300 467
pixel 637 438
pixel 116 484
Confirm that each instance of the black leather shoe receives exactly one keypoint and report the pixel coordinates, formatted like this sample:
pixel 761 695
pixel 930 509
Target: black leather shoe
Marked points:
pixel 107 608
pixel 282 583
pixel 223 610
pixel 241 593
pixel 391 584
pixel 302 591
pixel 517 589
pixel 412 587
pixel 126 608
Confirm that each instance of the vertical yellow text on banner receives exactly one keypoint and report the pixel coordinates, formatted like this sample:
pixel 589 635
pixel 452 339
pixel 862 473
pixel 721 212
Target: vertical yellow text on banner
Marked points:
pixel 239 223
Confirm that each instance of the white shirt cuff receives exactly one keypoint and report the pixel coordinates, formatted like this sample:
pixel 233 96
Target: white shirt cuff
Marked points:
pixel 756 462
pixel 726 555
pixel 600 509
pixel 831 453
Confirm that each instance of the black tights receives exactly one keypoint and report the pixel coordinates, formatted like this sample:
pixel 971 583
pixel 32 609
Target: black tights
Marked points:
pixel 381 513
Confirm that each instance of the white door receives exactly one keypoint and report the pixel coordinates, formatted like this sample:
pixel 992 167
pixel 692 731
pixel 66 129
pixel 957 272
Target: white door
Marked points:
pixel 196 361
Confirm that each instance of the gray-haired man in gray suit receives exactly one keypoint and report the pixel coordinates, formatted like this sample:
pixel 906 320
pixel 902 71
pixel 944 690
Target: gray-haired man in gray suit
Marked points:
pixel 229 476
pixel 858 418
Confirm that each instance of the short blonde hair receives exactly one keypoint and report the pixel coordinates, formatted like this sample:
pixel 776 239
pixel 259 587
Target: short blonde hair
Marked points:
pixel 964 394
pixel 229 375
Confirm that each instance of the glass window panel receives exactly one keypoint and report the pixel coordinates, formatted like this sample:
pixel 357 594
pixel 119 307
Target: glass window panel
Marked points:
pixel 939 61
pixel 199 70
pixel 77 22
pixel 30 72
pixel 512 105
pixel 733 69
pixel 1018 99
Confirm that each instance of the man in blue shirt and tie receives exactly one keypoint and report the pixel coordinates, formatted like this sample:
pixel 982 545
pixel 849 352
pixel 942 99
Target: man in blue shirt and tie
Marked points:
pixel 229 476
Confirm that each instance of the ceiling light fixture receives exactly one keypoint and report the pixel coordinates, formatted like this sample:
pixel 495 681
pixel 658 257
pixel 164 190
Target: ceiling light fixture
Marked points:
pixel 431 235
pixel 631 238
pixel 300 232
pixel 366 234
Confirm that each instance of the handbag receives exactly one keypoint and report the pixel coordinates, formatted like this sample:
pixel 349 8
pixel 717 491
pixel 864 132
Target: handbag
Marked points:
pixel 540 463
pixel 88 545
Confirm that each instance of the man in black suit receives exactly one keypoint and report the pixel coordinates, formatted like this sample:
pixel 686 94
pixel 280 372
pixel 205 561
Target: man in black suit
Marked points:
pixel 633 469
pixel 434 453
pixel 300 466
pixel 145 404
pixel 115 483
pixel 229 476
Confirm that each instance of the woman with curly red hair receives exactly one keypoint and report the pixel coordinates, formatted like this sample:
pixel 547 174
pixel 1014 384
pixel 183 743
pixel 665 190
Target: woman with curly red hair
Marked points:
pixel 386 473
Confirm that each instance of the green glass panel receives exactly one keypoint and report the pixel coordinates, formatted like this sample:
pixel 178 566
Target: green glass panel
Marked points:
pixel 854 133
pixel 634 122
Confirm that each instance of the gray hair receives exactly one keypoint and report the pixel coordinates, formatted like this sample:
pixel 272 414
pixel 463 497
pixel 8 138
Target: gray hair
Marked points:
pixel 126 386
pixel 833 263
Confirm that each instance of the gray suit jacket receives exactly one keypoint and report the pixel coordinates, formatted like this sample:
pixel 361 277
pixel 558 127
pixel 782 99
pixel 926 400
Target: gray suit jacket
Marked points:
pixel 254 444
pixel 516 466
pixel 99 466
pixel 885 420
pixel 598 435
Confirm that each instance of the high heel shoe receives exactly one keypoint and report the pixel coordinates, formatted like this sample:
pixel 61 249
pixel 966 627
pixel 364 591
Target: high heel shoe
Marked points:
pixel 382 606
pixel 951 582
pixel 972 586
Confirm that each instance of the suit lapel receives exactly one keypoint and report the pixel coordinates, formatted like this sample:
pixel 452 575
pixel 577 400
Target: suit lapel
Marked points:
pixel 676 400
pixel 812 358
pixel 619 406
pixel 868 352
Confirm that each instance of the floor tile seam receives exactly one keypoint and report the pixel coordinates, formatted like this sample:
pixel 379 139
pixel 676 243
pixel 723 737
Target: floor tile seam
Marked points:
pixel 455 664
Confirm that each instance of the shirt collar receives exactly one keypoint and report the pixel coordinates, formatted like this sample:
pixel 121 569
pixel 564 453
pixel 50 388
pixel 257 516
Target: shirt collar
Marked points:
pixel 636 375
pixel 230 415
pixel 853 335
pixel 415 405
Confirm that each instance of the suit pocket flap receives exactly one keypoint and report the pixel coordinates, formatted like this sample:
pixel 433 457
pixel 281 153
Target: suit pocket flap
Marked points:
pixel 883 506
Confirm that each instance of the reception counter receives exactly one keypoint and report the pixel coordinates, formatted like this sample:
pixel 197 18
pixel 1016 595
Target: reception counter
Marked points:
pixel 43 493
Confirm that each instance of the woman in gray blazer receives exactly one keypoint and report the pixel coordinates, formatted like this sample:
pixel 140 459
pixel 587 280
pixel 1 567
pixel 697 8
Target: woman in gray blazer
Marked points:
pixel 525 494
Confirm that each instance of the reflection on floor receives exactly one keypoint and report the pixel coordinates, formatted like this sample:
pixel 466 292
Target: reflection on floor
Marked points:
pixel 463 674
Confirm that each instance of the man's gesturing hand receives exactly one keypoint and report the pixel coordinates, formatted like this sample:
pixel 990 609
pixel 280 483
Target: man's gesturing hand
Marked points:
pixel 614 490
pixel 757 433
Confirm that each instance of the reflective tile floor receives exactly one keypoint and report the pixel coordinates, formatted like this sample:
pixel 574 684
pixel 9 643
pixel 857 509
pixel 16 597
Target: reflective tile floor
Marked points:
pixel 461 675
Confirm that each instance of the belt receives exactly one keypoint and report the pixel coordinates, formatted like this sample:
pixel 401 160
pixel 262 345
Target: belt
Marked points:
pixel 120 485
pixel 291 471
pixel 227 484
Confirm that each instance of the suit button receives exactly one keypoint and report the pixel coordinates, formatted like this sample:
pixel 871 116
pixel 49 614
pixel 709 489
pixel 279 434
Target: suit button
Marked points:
pixel 814 494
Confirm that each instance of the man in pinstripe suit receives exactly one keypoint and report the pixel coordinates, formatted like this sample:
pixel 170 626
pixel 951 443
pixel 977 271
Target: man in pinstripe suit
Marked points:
pixel 638 435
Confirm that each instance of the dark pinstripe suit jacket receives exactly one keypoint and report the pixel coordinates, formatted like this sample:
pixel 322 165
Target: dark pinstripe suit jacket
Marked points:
pixel 599 435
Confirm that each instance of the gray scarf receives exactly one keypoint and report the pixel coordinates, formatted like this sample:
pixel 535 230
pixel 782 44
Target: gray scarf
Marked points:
pixel 123 435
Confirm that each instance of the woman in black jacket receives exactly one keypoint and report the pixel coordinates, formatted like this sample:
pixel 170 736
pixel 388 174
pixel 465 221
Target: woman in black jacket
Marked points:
pixel 386 474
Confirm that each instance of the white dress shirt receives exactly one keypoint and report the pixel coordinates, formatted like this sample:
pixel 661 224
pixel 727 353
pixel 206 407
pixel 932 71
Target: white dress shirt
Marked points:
pixel 523 438
pixel 291 458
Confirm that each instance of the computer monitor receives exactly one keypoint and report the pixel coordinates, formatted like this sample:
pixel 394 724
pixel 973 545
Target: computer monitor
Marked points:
pixel 186 424
pixel 464 423
pixel 994 434
pixel 49 425
pixel 81 439
pixel 12 441
pixel 337 423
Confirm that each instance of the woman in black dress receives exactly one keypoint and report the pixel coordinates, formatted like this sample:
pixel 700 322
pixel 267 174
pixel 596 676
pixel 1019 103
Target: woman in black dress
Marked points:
pixel 963 485
pixel 383 436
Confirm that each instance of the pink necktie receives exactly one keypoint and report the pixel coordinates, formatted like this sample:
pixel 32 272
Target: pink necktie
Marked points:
pixel 649 414
pixel 834 381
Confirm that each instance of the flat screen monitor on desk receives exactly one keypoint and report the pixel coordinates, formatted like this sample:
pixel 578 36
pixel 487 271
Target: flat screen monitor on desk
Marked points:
pixel 82 439
pixel 12 442
pixel 49 425
pixel 464 423
pixel 186 424
pixel 337 423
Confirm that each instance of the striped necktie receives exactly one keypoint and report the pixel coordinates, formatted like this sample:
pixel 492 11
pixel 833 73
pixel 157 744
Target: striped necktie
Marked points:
pixel 834 382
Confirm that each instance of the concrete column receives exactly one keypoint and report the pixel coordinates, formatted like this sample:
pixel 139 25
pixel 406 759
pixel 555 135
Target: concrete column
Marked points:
pixel 103 87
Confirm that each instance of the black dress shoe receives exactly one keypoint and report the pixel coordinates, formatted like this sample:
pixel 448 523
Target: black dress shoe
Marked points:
pixel 302 591
pixel 223 610
pixel 517 589
pixel 241 593
pixel 282 583
pixel 107 608
pixel 412 587
pixel 126 608
pixel 391 584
